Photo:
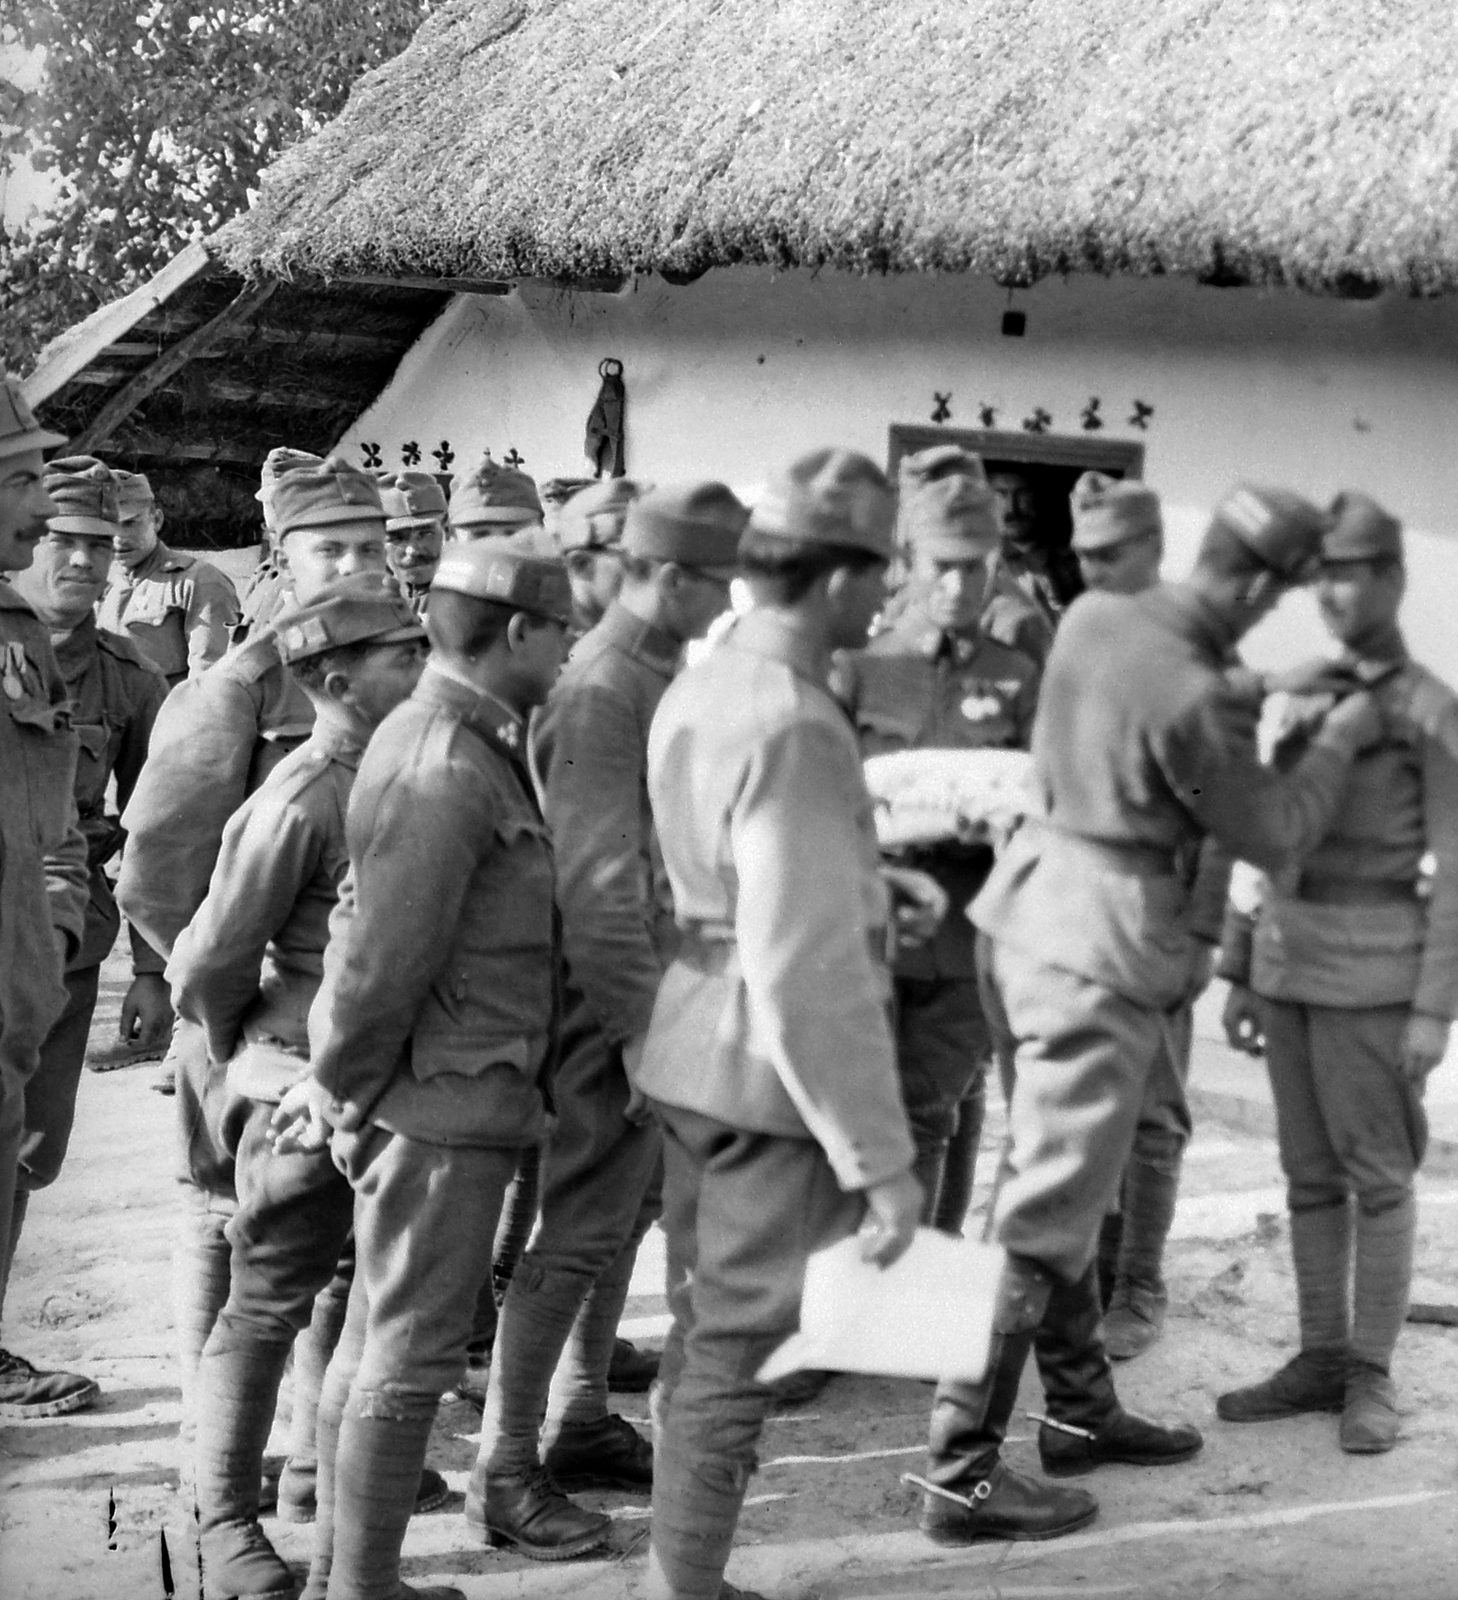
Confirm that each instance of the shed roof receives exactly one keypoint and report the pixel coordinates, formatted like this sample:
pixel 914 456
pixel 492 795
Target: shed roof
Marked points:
pixel 1299 142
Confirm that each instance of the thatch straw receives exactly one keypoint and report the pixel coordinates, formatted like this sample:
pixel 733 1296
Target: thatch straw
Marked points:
pixel 1308 142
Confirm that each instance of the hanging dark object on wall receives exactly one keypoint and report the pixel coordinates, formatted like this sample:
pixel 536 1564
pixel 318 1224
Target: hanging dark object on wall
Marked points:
pixel 942 409
pixel 605 425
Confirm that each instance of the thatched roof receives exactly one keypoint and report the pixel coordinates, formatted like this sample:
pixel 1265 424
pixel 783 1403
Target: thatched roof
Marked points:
pixel 1306 142
pixel 193 377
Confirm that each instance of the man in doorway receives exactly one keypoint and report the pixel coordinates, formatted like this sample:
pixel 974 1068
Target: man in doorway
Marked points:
pixel 415 525
pixel 1047 578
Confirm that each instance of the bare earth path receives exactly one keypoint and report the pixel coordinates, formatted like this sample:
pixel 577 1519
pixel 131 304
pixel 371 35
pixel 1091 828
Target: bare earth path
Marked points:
pixel 86 1502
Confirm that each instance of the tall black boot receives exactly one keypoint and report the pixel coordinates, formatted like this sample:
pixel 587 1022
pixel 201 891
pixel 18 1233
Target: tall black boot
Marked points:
pixel 970 1494
pixel 1111 1241
pixel 1134 1315
pixel 1085 1425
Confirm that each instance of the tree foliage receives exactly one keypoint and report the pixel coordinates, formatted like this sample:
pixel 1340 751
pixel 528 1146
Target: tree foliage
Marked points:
pixel 156 117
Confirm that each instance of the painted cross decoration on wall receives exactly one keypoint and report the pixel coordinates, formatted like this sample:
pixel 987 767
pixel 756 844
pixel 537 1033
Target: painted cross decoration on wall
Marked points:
pixel 1142 414
pixel 444 455
pixel 942 410
pixel 987 416
pixel 372 456
pixel 514 458
pixel 1092 421
pixel 410 453
pixel 1039 422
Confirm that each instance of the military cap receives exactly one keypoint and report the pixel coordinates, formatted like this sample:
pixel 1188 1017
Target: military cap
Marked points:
pixel 134 490
pixel 829 497
pixel 1360 530
pixel 593 518
pixel 1280 529
pixel 85 494
pixel 952 518
pixel 493 496
pixel 322 495
pixel 695 524
pixel 558 491
pixel 18 428
pixel 279 460
pixel 364 609
pixel 1108 511
pixel 941 461
pixel 509 573
pixel 411 499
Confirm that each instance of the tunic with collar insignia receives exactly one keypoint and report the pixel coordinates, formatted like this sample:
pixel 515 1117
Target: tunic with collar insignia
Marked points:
pixel 179 610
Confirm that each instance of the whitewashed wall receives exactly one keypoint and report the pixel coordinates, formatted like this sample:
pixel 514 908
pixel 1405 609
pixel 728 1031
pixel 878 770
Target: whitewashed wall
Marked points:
pixel 742 370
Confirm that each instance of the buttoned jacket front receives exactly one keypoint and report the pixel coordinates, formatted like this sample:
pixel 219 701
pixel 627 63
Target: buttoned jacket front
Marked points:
pixel 179 610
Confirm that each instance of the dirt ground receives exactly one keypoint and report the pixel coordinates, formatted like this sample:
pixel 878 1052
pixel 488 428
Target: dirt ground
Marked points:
pixel 89 1508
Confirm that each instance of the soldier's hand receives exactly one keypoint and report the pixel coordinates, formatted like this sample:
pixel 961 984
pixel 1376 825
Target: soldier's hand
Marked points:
pixel 893 1209
pixel 1424 1045
pixel 1242 1022
pixel 298 1124
pixel 919 904
pixel 1360 717
pixel 146 1010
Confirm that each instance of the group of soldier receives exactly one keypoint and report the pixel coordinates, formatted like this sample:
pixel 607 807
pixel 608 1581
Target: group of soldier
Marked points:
pixel 485 955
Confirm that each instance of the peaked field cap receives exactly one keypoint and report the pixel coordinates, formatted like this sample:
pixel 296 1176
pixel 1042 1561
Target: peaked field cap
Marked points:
pixel 134 490
pixel 1360 530
pixel 278 461
pixel 491 495
pixel 952 518
pixel 1108 511
pixel 324 495
pixel 829 497
pixel 364 609
pixel 18 428
pixel 509 573
pixel 411 498
pixel 1280 528
pixel 85 492
pixel 940 461
pixel 593 518
pixel 695 524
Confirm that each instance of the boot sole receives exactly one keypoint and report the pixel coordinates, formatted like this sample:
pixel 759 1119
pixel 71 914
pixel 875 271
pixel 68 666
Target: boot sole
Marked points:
pixel 946 1537
pixel 1078 1469
pixel 53 1408
pixel 1280 1416
pixel 582 1485
pixel 496 1539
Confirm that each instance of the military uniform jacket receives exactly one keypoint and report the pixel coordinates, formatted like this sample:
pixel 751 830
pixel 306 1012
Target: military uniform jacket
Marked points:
pixel 439 996
pixel 1143 744
pixel 916 687
pixel 116 694
pixel 180 611
pixel 1348 926
pixel 1015 619
pixel 772 1016
pixel 248 965
pixel 43 877
pixel 590 751
pixel 215 740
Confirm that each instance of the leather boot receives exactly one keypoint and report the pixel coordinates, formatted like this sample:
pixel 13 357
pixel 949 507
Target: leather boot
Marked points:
pixel 238 1563
pixel 1111 1237
pixel 631 1370
pixel 1085 1426
pixel 1314 1380
pixel 528 1511
pixel 1134 1314
pixel 609 1454
pixel 1369 1414
pixel 376 1475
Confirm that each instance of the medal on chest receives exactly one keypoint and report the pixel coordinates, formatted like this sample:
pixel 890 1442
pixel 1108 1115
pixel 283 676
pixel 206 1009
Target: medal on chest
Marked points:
pixel 12 676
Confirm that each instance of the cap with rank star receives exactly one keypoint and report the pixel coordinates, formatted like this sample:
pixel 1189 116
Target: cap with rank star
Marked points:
pixel 692 524
pixel 1110 511
pixel 831 497
pixel 411 500
pixel 18 428
pixel 1282 530
pixel 364 609
pixel 940 461
pixel 594 518
pixel 134 491
pixel 952 518
pixel 509 573
pixel 324 495
pixel 279 460
pixel 1360 530
pixel 85 492
pixel 493 498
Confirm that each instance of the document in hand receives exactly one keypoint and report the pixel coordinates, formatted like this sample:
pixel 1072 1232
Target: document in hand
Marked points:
pixel 927 1316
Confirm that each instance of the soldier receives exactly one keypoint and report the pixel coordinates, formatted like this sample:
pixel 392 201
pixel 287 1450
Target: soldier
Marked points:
pixel 555 494
pixel 267 590
pixel 590 528
pixel 1143 745
pixel 1047 578
pixel 490 500
pixel 1353 965
pixel 115 694
pixel 1118 537
pixel 179 610
pixel 415 515
pixel 600 1164
pixel 430 1037
pixel 245 970
pixel 769 1059
pixel 215 740
pixel 936 680
pixel 43 875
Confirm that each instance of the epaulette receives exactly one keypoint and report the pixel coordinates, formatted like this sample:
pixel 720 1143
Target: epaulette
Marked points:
pixel 255 658
pixel 179 561
pixel 122 648
pixel 311 765
pixel 1431 705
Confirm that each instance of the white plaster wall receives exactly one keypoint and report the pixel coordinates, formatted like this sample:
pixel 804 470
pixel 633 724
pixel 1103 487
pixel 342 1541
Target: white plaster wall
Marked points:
pixel 745 368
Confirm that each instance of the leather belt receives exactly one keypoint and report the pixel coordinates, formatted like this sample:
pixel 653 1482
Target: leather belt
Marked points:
pixel 1321 891
pixel 706 946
